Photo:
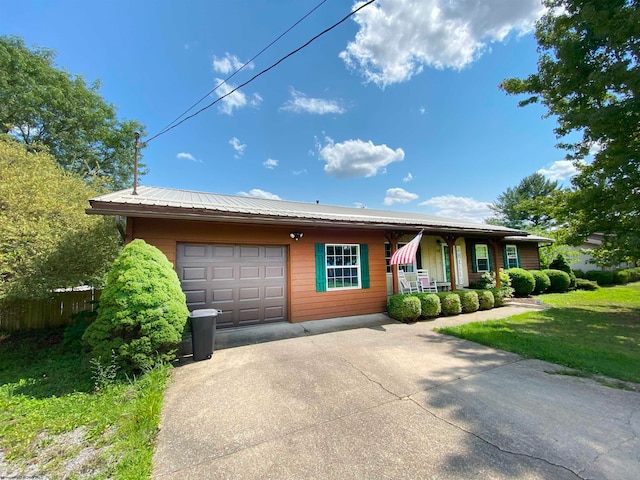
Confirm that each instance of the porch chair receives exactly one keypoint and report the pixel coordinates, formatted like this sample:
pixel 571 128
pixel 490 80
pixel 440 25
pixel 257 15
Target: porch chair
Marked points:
pixel 425 283
pixel 406 285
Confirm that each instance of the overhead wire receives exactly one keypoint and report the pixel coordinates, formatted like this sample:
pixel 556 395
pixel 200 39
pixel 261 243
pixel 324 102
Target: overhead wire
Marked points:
pixel 240 68
pixel 293 52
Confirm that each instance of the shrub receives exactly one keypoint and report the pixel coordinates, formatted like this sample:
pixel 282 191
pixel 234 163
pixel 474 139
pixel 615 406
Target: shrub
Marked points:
pixel 404 308
pixel 602 277
pixel 450 303
pixel 579 273
pixel 429 304
pixel 584 284
pixel 486 300
pixel 80 321
pixel 142 310
pixel 634 273
pixel 620 277
pixel 468 300
pixel 561 263
pixel 560 281
pixel 522 282
pixel 499 296
pixel 486 281
pixel 542 281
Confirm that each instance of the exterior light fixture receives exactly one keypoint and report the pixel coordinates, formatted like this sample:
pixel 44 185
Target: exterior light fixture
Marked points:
pixel 296 235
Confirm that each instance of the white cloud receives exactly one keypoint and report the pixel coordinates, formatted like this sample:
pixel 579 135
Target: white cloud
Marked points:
pixel 422 110
pixel 300 103
pixel 186 156
pixel 559 170
pixel 461 208
pixel 228 64
pixel 270 163
pixel 398 38
pixel 299 172
pixel 257 193
pixel 359 205
pixel 399 195
pixel 236 100
pixel 356 158
pixel 408 178
pixel 238 146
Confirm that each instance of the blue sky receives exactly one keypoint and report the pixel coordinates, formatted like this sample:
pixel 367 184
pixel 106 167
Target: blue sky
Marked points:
pixel 397 108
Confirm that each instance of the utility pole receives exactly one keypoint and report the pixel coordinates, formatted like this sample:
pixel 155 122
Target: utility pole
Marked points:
pixel 135 165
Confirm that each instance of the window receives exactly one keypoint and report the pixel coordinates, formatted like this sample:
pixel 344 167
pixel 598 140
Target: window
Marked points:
pixel 482 258
pixel 406 268
pixel 511 256
pixel 343 266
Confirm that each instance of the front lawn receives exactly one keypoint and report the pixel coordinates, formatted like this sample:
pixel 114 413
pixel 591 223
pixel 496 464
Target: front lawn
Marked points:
pixel 594 332
pixel 54 421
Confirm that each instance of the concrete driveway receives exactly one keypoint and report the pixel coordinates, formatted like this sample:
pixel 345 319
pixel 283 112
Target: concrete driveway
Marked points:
pixel 394 401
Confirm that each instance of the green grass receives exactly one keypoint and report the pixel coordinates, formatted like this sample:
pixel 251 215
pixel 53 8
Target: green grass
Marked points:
pixel 47 397
pixel 594 332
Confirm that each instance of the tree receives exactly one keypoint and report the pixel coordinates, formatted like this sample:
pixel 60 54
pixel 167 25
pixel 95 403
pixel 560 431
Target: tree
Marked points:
pixel 526 205
pixel 43 106
pixel 47 240
pixel 142 311
pixel 588 78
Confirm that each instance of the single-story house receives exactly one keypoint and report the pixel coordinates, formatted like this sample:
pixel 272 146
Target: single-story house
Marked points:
pixel 262 261
pixel 584 259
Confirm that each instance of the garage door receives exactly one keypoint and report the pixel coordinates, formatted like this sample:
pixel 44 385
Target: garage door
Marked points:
pixel 247 282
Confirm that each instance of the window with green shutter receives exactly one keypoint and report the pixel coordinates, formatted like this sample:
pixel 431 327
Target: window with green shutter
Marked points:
pixel 511 256
pixel 341 266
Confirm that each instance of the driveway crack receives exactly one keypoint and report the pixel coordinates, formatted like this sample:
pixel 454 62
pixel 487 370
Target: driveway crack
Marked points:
pixel 496 446
pixel 371 379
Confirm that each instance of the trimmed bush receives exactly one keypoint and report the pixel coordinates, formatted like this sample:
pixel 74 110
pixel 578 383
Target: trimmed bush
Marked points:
pixel 142 310
pixel 561 263
pixel 404 308
pixel 468 300
pixel 634 273
pixel 579 274
pixel 449 303
pixel 620 277
pixel 486 300
pixel 602 277
pixel 522 282
pixel 584 284
pixel 542 281
pixel 429 304
pixel 560 281
pixel 499 296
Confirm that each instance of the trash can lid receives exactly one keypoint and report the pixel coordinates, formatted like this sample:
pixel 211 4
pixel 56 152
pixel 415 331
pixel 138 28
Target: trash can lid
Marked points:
pixel 205 312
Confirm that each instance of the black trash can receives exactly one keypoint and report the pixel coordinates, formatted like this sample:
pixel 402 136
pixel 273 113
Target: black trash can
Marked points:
pixel 203 330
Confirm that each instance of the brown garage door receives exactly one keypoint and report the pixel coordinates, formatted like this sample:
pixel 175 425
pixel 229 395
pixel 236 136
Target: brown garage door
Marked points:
pixel 247 282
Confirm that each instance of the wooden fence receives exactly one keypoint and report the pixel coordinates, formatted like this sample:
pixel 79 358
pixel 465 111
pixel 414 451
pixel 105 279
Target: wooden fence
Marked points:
pixel 48 313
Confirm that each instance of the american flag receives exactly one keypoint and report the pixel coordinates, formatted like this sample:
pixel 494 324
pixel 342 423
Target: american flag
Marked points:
pixel 406 254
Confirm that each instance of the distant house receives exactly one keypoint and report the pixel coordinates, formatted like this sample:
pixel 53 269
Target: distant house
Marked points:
pixel 584 260
pixel 262 261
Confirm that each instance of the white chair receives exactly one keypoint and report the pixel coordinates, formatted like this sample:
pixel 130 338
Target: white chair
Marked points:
pixel 424 282
pixel 406 285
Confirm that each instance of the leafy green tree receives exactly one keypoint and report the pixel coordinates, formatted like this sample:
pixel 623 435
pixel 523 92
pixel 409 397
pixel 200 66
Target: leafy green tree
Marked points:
pixel 588 78
pixel 43 106
pixel 47 240
pixel 527 205
pixel 142 311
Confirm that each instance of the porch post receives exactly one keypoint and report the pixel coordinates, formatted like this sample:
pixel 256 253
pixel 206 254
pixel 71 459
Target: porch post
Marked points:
pixel 451 240
pixel 392 238
pixel 494 252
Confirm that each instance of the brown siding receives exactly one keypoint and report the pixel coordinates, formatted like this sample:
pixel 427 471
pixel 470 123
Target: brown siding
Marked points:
pixel 304 302
pixel 529 256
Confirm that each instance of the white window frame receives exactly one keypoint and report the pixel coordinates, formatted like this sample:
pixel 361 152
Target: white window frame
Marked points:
pixel 479 257
pixel 334 264
pixel 408 268
pixel 512 255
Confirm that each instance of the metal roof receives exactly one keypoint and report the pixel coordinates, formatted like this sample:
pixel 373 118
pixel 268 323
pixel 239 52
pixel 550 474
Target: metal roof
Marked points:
pixel 171 203
pixel 530 238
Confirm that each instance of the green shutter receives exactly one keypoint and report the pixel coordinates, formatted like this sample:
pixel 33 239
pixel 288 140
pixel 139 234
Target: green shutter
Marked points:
pixel 490 255
pixel 321 268
pixel 506 259
pixel 364 265
pixel 474 265
pixel 518 256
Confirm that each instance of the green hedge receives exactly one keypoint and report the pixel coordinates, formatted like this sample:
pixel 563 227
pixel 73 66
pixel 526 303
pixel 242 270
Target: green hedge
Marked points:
pixel 542 281
pixel 603 278
pixel 468 300
pixel 560 281
pixel 486 300
pixel 499 296
pixel 404 308
pixel 450 304
pixel 522 282
pixel 620 277
pixel 584 284
pixel 634 273
pixel 429 304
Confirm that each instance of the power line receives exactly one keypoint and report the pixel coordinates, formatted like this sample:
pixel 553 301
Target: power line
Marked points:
pixel 265 70
pixel 240 68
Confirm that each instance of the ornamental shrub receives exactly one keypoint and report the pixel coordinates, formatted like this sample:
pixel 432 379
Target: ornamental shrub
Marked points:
pixel 404 308
pixel 468 300
pixel 603 278
pixel 522 282
pixel 579 273
pixel 561 263
pixel 429 304
pixel 634 273
pixel 486 300
pixel 542 281
pixel 142 311
pixel 584 284
pixel 620 277
pixel 560 281
pixel 450 303
pixel 499 296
